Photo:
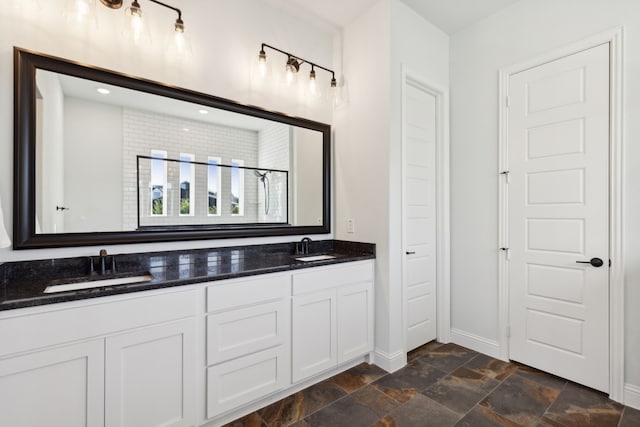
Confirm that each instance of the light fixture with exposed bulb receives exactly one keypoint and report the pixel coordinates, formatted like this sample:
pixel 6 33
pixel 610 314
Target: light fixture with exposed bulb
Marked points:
pixel 135 27
pixel 292 66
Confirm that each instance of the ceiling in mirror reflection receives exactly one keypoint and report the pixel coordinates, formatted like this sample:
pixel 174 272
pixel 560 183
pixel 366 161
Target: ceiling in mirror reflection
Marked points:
pixel 124 97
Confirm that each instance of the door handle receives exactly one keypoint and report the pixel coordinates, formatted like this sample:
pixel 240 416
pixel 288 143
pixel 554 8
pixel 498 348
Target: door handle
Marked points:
pixel 410 253
pixel 596 262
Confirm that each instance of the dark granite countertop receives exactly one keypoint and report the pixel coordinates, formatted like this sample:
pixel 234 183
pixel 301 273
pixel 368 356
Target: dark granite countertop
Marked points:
pixel 22 284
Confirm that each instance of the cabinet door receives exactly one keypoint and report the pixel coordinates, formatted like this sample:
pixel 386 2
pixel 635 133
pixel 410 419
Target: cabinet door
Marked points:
pixel 61 387
pixel 313 333
pixel 355 321
pixel 150 376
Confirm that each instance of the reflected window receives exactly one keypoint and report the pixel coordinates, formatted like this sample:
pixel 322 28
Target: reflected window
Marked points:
pixel 187 184
pixel 213 186
pixel 158 182
pixel 237 187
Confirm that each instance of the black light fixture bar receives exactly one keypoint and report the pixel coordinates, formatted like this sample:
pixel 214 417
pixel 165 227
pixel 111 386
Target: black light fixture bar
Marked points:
pixel 117 4
pixel 300 60
pixel 175 9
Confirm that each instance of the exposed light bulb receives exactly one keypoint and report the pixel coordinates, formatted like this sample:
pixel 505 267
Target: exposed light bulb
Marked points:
pixel 262 63
pixel 313 85
pixel 135 23
pixel 179 26
pixel 291 69
pixel 179 44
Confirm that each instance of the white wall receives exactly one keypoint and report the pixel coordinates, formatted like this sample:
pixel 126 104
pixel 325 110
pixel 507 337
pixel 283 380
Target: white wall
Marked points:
pixel 226 37
pixel 524 30
pixel 93 166
pixel 361 149
pixel 368 145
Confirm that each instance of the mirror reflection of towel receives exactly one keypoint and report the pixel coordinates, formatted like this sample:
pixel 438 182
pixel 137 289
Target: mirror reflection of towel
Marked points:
pixel 5 242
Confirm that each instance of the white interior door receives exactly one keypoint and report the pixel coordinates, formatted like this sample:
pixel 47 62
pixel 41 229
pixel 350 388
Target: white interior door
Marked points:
pixel 419 214
pixel 558 195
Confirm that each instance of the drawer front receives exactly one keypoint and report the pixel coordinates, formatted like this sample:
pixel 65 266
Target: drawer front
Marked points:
pixel 236 333
pixel 240 381
pixel 330 277
pixel 247 291
pixel 43 329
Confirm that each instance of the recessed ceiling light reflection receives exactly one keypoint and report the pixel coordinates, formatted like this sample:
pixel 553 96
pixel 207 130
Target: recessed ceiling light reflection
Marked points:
pixel 103 91
pixel 203 111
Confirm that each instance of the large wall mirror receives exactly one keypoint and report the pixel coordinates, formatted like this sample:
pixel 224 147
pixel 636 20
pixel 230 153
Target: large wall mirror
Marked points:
pixel 105 158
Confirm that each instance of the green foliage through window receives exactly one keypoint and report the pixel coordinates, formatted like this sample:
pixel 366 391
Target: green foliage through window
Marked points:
pixel 185 207
pixel 157 207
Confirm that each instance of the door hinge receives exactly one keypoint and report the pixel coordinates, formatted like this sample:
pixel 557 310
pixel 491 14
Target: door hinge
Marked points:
pixel 507 101
pixel 508 331
pixel 506 175
pixel 609 263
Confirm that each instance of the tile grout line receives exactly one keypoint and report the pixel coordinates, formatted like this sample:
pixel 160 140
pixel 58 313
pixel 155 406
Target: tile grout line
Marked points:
pixel 554 401
pixel 343 397
pixel 500 382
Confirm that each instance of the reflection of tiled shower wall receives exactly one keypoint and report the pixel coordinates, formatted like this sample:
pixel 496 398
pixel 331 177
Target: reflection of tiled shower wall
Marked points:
pixel 143 132
pixel 273 152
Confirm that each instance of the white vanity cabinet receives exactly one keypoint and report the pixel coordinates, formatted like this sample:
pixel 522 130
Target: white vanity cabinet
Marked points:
pixel 247 340
pixel 116 361
pixel 150 376
pixel 332 317
pixel 62 386
pixel 202 354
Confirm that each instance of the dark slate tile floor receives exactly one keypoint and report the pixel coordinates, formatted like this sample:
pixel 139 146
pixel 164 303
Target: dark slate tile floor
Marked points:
pixel 444 385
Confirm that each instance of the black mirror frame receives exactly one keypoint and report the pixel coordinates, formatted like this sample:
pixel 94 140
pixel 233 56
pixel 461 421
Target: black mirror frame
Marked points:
pixel 24 201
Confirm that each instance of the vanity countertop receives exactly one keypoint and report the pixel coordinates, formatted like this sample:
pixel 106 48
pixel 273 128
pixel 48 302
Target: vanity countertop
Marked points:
pixel 22 284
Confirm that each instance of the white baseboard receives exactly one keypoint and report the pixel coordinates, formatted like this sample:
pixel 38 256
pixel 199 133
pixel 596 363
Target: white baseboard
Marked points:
pixel 632 396
pixel 389 362
pixel 476 343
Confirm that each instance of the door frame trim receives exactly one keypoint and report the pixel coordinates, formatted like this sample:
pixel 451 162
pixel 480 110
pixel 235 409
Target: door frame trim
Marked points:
pixel 443 262
pixel 614 37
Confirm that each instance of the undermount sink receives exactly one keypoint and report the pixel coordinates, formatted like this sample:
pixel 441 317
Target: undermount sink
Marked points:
pixel 89 284
pixel 315 258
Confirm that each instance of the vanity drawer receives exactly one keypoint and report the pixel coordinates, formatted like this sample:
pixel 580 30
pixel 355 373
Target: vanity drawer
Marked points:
pixel 228 294
pixel 236 333
pixel 240 381
pixel 330 277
